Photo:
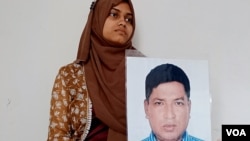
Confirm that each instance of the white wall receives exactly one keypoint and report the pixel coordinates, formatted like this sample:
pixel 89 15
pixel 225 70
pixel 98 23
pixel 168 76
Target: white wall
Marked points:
pixel 37 37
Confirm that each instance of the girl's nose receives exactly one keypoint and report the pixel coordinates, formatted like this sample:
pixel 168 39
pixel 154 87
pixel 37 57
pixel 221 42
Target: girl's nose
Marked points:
pixel 122 22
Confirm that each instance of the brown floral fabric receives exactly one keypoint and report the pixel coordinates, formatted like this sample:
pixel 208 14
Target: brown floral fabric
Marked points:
pixel 71 108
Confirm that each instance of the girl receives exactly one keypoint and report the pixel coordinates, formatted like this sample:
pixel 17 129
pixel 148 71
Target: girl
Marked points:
pixel 88 97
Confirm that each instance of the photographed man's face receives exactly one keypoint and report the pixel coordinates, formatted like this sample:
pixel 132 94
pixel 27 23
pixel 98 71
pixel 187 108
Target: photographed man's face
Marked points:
pixel 168 111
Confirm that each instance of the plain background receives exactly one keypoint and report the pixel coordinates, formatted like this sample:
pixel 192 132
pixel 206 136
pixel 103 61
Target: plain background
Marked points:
pixel 197 72
pixel 38 37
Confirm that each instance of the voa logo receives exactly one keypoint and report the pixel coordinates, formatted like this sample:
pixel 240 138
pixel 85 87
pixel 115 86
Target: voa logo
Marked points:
pixel 236 132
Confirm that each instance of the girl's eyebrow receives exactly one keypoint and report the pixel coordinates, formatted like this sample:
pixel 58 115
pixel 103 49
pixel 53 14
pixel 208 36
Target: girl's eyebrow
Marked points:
pixel 115 9
pixel 128 13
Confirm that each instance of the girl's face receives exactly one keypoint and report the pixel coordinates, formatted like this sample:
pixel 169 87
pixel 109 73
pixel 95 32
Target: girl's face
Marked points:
pixel 118 26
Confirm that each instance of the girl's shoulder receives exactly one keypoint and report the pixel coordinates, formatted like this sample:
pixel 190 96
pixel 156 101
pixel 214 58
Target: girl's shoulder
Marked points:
pixel 72 72
pixel 72 67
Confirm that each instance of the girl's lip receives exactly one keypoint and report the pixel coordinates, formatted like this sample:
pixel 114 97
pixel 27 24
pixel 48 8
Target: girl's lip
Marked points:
pixel 121 30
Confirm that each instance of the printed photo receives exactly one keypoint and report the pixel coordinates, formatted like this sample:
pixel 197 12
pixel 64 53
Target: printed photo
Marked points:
pixel 168 99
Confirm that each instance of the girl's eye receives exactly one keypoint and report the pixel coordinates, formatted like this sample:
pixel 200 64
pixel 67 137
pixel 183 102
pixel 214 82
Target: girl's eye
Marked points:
pixel 112 14
pixel 129 19
pixel 116 15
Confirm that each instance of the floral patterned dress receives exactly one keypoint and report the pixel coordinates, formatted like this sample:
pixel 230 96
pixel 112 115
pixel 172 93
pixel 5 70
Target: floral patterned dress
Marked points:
pixel 71 107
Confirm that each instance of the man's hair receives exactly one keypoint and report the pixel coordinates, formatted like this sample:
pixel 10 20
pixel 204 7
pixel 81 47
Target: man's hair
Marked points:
pixel 166 73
